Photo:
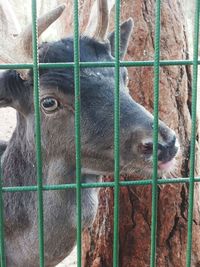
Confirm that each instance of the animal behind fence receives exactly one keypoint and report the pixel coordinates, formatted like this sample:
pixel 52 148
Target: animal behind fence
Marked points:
pixel 97 87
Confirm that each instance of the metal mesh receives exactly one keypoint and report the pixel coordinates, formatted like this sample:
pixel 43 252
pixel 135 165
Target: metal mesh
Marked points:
pixel 157 63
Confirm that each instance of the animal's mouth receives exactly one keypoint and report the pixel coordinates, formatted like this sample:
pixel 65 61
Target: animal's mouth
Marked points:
pixel 166 155
pixel 166 166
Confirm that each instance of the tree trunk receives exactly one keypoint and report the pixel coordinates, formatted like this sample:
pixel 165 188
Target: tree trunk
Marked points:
pixel 175 110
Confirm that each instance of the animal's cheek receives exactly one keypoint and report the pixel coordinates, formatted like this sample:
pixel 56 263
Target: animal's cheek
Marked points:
pixel 30 137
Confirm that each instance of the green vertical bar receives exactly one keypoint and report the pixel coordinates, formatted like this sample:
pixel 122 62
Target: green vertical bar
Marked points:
pixel 193 133
pixel 77 129
pixel 2 248
pixel 155 134
pixel 38 131
pixel 116 136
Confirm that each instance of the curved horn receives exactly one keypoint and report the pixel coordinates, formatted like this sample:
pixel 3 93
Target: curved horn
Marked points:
pixel 19 49
pixel 99 19
pixel 43 22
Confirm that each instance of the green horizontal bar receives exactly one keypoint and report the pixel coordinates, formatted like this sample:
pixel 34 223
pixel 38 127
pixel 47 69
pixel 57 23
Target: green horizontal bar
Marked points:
pixel 98 185
pixel 16 66
pixel 99 64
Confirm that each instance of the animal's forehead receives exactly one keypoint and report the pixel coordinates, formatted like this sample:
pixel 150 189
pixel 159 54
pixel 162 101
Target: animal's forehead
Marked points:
pixel 63 51
pixel 93 50
pixel 90 50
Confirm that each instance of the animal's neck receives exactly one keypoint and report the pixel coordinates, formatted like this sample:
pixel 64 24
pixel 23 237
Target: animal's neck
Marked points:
pixel 19 168
pixel 19 160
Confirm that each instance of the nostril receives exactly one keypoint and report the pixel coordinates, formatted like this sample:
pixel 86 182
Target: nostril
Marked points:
pixel 146 148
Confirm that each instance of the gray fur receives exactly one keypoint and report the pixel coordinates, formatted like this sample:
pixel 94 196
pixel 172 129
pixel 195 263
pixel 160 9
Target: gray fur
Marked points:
pixel 3 146
pixel 125 33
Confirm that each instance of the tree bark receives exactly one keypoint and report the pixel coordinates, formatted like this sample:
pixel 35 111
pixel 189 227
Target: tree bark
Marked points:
pixel 175 110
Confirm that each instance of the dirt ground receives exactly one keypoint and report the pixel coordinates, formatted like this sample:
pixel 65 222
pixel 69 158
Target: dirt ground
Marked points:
pixel 7 124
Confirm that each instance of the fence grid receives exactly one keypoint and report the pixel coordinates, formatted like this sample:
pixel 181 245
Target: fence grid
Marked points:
pixel 155 181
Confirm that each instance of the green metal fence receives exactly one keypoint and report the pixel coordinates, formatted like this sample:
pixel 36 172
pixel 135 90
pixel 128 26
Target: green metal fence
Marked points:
pixel 157 63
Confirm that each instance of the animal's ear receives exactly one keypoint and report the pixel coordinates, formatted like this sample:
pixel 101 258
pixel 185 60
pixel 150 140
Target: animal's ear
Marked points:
pixel 125 33
pixel 13 93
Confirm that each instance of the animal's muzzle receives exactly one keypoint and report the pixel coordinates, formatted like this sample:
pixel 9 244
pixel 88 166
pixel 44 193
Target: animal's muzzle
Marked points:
pixel 168 151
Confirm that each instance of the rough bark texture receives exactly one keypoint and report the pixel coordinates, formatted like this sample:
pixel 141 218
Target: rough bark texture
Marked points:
pixel 175 110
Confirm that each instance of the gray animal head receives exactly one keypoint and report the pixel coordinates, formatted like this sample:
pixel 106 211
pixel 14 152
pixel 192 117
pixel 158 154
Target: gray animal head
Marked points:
pixel 97 109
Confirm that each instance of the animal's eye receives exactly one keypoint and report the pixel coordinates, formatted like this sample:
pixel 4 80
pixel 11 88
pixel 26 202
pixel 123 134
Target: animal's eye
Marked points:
pixel 49 104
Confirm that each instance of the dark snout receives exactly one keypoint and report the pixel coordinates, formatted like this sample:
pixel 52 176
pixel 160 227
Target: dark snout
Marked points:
pixel 137 140
pixel 167 150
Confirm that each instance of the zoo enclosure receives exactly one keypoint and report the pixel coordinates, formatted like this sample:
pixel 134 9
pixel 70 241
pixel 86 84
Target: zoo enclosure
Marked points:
pixel 157 63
